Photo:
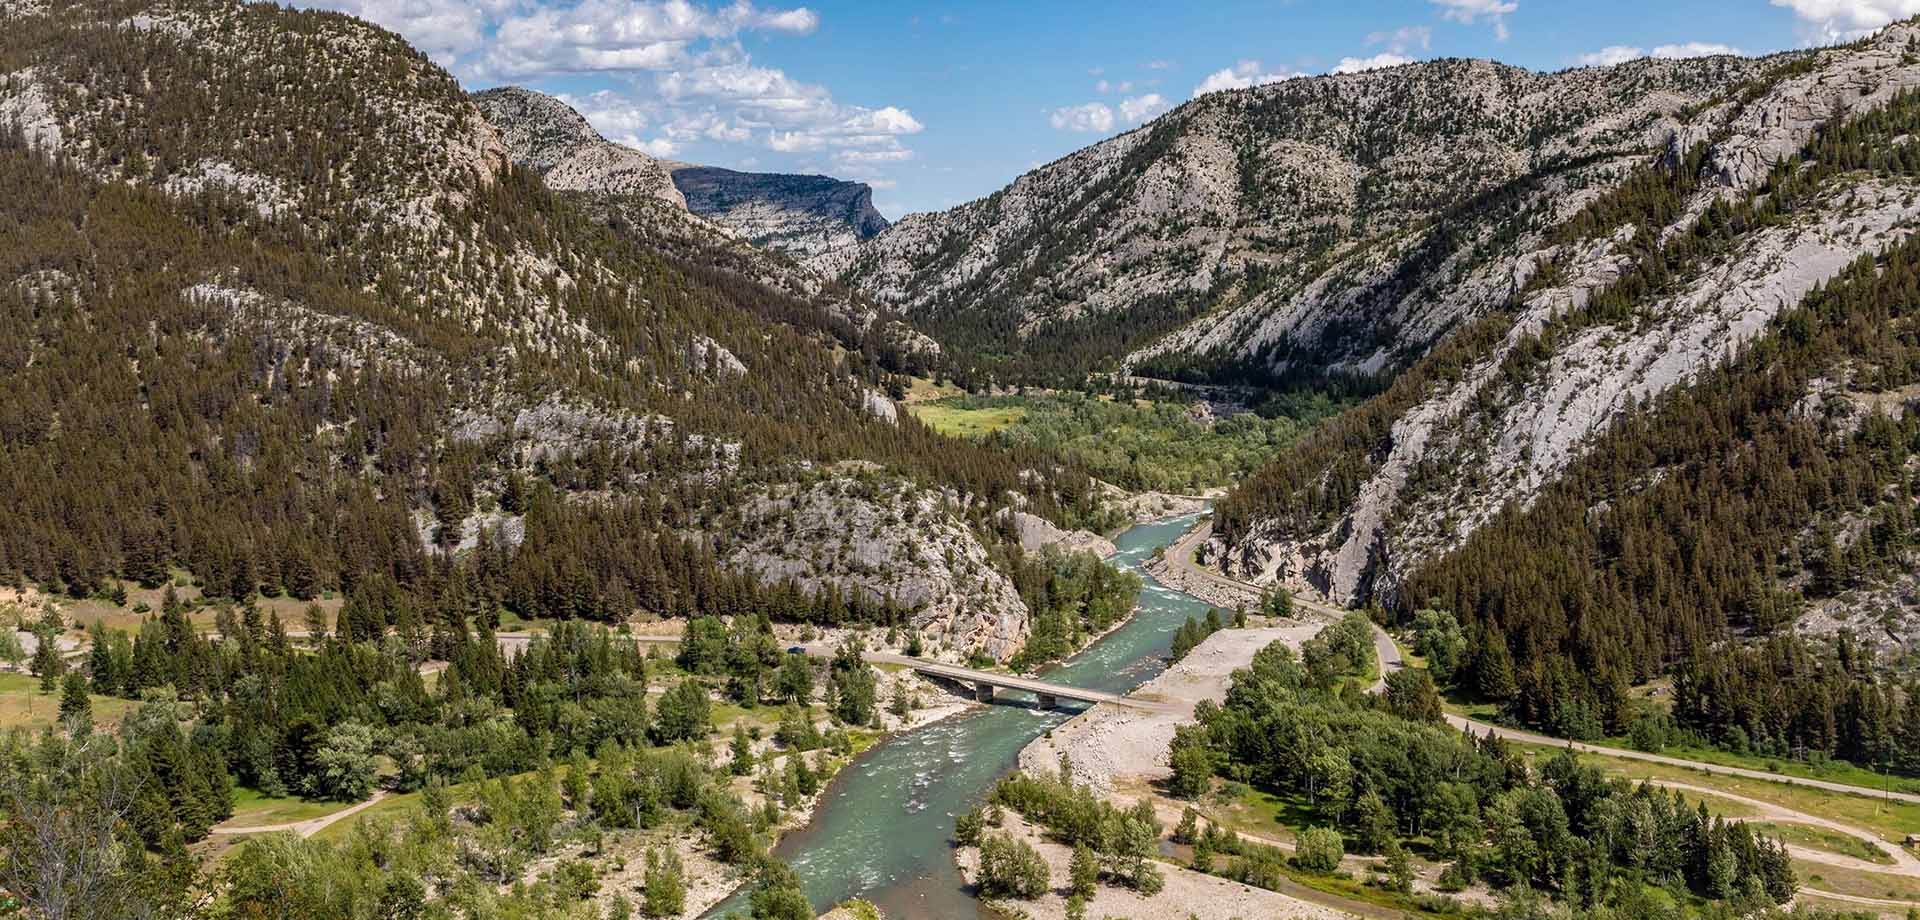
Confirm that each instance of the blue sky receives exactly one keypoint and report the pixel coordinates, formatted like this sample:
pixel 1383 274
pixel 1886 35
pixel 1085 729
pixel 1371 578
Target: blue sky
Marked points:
pixel 939 103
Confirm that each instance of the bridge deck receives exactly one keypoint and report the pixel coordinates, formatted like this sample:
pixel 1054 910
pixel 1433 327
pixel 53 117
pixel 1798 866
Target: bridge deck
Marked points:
pixel 1012 682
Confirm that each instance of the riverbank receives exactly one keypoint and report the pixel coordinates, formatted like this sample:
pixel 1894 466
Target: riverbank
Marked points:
pixel 709 883
pixel 1112 747
pixel 1188 895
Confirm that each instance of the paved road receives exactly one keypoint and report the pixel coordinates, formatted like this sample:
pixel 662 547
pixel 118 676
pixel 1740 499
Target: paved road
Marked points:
pixel 1181 553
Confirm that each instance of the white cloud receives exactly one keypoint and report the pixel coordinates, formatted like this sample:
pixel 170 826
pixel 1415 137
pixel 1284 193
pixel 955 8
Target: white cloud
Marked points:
pixel 1240 76
pixel 1403 40
pixel 1469 12
pixel 1109 86
pixel 1826 21
pixel 679 67
pixel 1159 64
pixel 1693 50
pixel 658 147
pixel 1141 108
pixel 1610 55
pixel 1091 116
pixel 1620 54
pixel 1383 59
pixel 621 35
pixel 873 156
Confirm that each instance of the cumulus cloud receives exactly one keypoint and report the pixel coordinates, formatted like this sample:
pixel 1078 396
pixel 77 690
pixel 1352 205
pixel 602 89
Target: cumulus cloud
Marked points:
pixel 1241 76
pixel 1620 54
pixel 1357 65
pixel 1610 55
pixel 1469 12
pixel 1140 108
pixel 600 35
pixel 1694 50
pixel 1827 21
pixel 1403 40
pixel 1087 117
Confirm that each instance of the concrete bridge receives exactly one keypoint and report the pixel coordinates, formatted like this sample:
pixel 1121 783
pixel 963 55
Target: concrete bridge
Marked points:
pixel 985 683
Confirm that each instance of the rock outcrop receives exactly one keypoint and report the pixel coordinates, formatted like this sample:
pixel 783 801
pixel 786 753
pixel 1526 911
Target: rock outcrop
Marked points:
pixel 886 539
pixel 1499 439
pixel 807 217
pixel 549 136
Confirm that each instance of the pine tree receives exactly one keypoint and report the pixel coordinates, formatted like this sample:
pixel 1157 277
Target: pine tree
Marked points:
pixel 76 709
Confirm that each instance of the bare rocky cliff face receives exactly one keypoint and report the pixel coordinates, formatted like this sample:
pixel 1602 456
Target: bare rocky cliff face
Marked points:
pixel 807 217
pixel 1479 441
pixel 886 539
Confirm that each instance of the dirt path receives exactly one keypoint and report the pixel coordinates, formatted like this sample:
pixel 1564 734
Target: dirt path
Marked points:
pixel 1904 863
pixel 1180 554
pixel 306 828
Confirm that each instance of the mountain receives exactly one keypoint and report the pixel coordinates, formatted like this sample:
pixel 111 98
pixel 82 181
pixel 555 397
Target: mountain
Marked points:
pixel 812 218
pixel 1316 227
pixel 806 217
pixel 280 308
pixel 1667 430
pixel 764 226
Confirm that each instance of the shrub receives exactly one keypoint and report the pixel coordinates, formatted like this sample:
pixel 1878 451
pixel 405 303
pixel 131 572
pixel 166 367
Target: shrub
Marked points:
pixel 1319 849
pixel 1012 868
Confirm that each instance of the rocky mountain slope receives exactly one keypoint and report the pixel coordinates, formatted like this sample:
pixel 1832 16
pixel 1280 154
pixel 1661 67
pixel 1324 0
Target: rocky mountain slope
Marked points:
pixel 308 326
pixel 809 218
pixel 763 226
pixel 1589 314
pixel 1315 227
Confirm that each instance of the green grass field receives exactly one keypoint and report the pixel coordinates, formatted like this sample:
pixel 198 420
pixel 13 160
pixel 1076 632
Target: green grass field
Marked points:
pixel 966 423
pixel 1815 838
pixel 22 705
pixel 252 808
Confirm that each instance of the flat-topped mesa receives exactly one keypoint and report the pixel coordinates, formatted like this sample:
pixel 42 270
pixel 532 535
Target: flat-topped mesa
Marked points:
pixel 803 216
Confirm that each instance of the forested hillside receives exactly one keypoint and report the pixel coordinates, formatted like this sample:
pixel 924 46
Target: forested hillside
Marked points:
pixel 1674 471
pixel 294 330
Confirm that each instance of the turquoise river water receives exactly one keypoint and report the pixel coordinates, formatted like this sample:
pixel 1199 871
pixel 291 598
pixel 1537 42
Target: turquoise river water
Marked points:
pixel 882 831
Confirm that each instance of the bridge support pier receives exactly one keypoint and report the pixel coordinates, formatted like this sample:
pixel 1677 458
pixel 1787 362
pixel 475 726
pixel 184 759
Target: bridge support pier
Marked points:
pixel 983 692
pixel 1049 701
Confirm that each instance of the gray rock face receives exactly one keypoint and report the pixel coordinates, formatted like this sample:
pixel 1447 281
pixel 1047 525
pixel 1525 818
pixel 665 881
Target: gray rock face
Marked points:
pixel 803 216
pixel 549 136
pixel 1037 533
pixel 885 538
pixel 1318 224
pixel 1501 442
pixel 768 228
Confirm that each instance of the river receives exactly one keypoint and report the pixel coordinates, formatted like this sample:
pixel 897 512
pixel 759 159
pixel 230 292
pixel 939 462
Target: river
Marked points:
pixel 882 830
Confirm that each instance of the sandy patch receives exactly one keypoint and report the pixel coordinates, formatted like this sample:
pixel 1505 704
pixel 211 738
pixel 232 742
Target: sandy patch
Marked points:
pixel 1187 893
pixel 1113 746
